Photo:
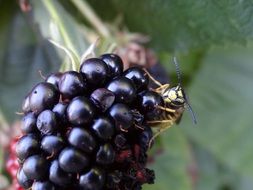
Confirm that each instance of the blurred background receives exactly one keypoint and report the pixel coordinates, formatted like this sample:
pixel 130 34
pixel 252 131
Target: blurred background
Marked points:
pixel 213 43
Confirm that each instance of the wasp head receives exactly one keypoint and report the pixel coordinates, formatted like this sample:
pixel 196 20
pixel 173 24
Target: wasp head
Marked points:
pixel 174 96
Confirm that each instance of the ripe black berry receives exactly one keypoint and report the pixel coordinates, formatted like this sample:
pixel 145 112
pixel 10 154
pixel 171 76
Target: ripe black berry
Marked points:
pixel 46 122
pixel 26 105
pixel 105 154
pixel 104 128
pixel 45 185
pixel 92 180
pixel 60 112
pixel 29 123
pixel 43 96
pixel 26 146
pixel 87 130
pixel 95 71
pixel 82 139
pixel 73 161
pixel 36 167
pixel 52 145
pixel 72 84
pixel 123 88
pixel 80 111
pixel 114 63
pixel 54 79
pixel 58 176
pixel 138 76
pixel 102 98
pixel 122 116
pixel 23 180
pixel 145 137
pixel 148 102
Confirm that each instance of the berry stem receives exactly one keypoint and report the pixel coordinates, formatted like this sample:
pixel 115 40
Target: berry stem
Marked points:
pixel 73 58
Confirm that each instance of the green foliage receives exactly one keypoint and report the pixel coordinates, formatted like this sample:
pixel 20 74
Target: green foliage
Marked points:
pixel 177 25
pixel 171 165
pixel 222 97
pixel 23 53
pixel 214 155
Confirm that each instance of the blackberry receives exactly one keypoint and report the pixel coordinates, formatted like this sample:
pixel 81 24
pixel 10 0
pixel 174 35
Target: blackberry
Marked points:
pixel 82 139
pixel 58 176
pixel 29 123
pixel 47 123
pixel 80 111
pixel 23 180
pixel 60 112
pixel 27 146
pixel 102 98
pixel 72 84
pixel 52 145
pixel 87 130
pixel 148 102
pixel 92 180
pixel 123 88
pixel 114 63
pixel 103 128
pixel 95 71
pixel 43 96
pixel 73 161
pixel 54 79
pixel 46 185
pixel 36 167
pixel 138 76
pixel 122 116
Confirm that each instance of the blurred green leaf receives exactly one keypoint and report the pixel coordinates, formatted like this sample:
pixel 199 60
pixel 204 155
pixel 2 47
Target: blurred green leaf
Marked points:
pixel 211 174
pixel 55 23
pixel 171 167
pixel 221 94
pixel 20 60
pixel 178 25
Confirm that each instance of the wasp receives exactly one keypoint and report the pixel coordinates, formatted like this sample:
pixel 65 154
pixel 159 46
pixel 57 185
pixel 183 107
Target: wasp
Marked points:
pixel 175 103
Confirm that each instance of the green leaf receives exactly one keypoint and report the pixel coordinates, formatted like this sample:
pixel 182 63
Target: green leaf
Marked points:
pixel 55 23
pixel 20 59
pixel 20 63
pixel 210 174
pixel 172 164
pixel 221 95
pixel 179 25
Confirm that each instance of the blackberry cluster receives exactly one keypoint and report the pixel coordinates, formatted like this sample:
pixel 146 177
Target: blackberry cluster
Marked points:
pixel 87 130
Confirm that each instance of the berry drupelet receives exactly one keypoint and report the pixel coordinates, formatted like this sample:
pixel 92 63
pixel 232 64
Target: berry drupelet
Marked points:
pixel 87 130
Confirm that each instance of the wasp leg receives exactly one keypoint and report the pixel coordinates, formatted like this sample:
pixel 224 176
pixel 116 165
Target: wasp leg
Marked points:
pixel 164 86
pixel 139 127
pixel 152 78
pixel 166 109
pixel 160 131
pixel 160 121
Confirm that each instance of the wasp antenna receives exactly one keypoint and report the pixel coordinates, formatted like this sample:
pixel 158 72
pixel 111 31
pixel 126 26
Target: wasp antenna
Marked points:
pixel 193 115
pixel 177 70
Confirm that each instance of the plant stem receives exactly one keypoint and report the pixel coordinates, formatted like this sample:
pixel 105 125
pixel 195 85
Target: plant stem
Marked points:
pixel 54 14
pixel 86 10
pixel 49 4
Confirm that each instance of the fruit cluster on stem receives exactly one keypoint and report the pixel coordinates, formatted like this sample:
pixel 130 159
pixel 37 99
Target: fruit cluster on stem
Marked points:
pixel 87 130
